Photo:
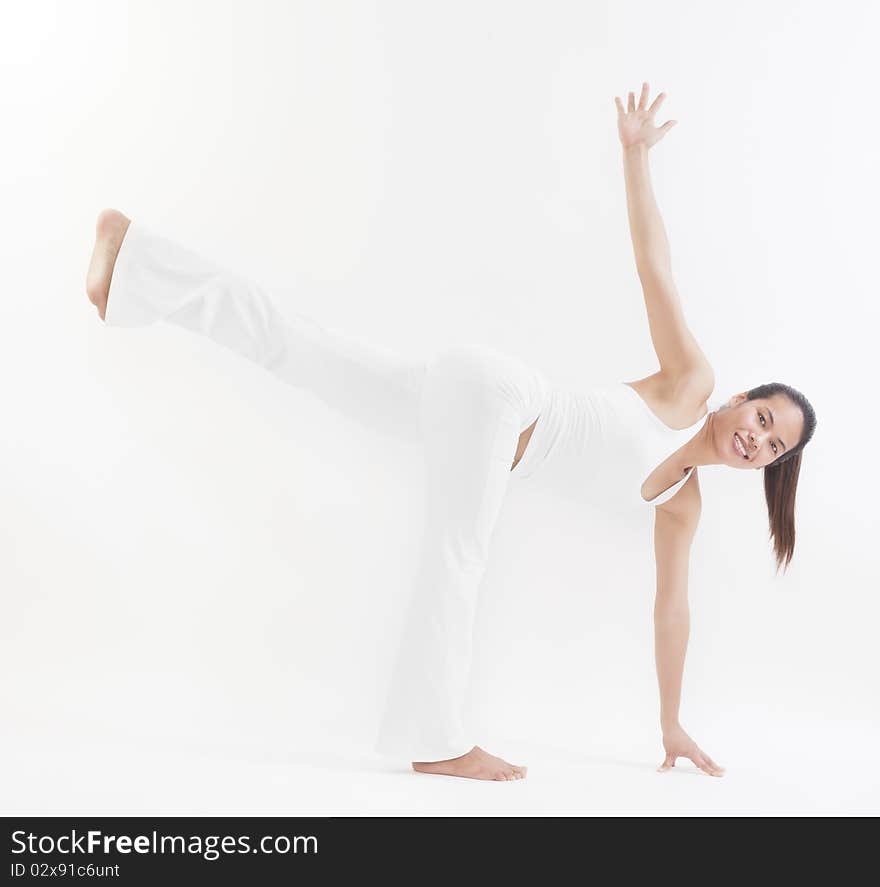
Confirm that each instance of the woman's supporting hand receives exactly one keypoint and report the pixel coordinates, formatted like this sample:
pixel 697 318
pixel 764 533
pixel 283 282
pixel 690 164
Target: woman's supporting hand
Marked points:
pixel 636 125
pixel 679 745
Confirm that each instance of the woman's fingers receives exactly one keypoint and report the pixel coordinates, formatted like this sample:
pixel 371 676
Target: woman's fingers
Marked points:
pixel 643 102
pixel 699 758
pixel 701 762
pixel 716 766
pixel 667 126
pixel 705 765
pixel 656 103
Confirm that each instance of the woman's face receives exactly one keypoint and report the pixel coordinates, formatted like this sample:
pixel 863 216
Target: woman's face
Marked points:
pixel 767 427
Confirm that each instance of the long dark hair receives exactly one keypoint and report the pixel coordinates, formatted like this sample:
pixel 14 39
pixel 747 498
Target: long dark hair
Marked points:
pixel 781 475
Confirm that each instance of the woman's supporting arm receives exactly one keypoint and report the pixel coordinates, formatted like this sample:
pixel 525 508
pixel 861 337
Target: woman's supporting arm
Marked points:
pixel 673 534
pixel 674 529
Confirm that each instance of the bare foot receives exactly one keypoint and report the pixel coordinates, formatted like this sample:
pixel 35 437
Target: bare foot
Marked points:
pixel 476 764
pixel 109 232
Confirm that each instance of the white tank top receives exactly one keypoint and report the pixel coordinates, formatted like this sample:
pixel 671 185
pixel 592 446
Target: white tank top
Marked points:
pixel 599 446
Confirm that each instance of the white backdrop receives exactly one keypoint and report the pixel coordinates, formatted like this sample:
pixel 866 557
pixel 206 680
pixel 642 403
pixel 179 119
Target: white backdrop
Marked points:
pixel 193 556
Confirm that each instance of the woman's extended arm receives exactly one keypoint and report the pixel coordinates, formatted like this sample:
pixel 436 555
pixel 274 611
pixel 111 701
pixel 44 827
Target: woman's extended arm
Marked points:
pixel 674 530
pixel 677 350
pixel 637 135
pixel 648 234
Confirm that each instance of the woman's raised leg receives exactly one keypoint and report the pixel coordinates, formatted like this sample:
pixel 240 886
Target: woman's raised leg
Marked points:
pixel 138 277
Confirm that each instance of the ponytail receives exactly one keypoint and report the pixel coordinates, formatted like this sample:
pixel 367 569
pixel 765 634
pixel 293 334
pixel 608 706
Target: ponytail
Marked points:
pixel 781 475
pixel 780 488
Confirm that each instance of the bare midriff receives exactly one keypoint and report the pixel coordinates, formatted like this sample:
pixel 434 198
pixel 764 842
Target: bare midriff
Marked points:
pixel 524 438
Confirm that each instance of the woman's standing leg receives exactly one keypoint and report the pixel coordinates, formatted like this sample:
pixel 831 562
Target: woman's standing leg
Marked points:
pixel 475 404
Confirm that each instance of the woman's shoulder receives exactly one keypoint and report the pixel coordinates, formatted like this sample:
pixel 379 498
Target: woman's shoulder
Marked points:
pixel 686 505
pixel 678 400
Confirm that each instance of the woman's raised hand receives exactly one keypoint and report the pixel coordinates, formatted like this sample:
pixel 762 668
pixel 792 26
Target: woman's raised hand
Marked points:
pixel 678 744
pixel 636 124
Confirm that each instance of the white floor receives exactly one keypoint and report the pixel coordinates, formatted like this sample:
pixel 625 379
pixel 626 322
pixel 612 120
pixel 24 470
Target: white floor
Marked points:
pixel 798 773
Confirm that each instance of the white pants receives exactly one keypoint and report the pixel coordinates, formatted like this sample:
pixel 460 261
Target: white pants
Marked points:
pixel 465 407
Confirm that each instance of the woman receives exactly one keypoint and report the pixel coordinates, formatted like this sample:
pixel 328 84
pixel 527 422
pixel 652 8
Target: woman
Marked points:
pixel 482 417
